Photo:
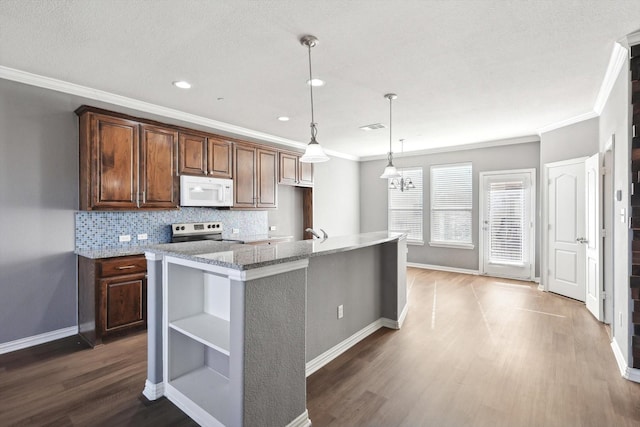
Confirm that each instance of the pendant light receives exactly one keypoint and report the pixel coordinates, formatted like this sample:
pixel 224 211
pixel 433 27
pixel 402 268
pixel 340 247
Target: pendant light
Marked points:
pixel 403 183
pixel 314 152
pixel 390 171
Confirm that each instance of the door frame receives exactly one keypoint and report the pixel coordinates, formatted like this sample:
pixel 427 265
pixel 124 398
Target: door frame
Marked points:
pixel 544 243
pixel 608 224
pixel 532 215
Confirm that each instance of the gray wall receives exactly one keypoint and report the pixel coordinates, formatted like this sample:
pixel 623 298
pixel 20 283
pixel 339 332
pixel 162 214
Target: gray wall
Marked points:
pixel 373 200
pixel 38 195
pixel 336 195
pixel 288 217
pixel 614 120
pixel 364 281
pixel 569 142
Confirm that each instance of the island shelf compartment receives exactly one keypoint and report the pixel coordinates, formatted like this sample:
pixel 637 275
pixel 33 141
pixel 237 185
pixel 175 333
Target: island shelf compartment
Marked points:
pixel 197 342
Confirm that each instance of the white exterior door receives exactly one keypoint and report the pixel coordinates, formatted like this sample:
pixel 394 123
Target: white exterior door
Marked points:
pixel 593 239
pixel 566 229
pixel 507 223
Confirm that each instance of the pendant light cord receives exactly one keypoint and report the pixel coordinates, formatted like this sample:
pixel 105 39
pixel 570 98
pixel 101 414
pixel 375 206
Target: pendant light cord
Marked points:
pixel 314 130
pixel 390 124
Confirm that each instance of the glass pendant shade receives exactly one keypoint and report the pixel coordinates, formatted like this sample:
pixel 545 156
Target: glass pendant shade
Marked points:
pixel 390 172
pixel 314 153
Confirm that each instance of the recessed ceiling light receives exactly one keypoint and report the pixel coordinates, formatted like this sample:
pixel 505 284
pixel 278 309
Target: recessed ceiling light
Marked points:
pixel 283 118
pixel 374 126
pixel 182 84
pixel 315 82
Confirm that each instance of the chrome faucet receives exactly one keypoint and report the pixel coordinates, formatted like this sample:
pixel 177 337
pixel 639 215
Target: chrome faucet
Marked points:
pixel 310 230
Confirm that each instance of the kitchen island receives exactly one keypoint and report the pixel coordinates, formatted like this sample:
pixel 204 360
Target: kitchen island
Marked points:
pixel 233 329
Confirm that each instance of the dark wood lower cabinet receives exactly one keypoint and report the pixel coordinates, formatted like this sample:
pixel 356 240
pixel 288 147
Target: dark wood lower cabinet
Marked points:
pixel 112 296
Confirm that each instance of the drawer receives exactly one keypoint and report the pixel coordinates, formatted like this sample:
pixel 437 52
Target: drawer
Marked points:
pixel 122 265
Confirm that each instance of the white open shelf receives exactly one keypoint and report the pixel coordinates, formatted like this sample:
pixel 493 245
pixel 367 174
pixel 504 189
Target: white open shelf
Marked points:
pixel 205 328
pixel 207 389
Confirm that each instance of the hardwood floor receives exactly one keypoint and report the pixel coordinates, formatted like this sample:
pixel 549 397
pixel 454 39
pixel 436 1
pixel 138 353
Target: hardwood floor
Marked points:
pixel 65 383
pixel 474 351
pixel 478 351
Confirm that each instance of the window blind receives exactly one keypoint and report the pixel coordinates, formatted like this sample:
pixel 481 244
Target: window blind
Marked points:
pixel 405 207
pixel 507 222
pixel 451 204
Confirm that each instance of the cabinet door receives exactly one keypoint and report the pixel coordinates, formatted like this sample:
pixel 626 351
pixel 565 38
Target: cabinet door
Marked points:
pixel 123 302
pixel 114 174
pixel 244 166
pixel 288 171
pixel 267 182
pixel 305 174
pixel 192 157
pixel 158 178
pixel 220 154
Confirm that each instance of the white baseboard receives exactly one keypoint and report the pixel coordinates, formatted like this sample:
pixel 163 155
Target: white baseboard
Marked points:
pixel 335 351
pixel 403 315
pixel 10 346
pixel 301 420
pixel 443 268
pixel 631 374
pixel 153 391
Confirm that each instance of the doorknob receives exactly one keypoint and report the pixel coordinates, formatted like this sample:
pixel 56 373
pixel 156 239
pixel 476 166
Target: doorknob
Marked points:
pixel 582 240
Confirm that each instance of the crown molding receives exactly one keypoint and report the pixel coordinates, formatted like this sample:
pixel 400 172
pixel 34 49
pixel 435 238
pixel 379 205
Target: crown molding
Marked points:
pixel 616 61
pixel 632 39
pixel 484 144
pixel 123 101
pixel 567 122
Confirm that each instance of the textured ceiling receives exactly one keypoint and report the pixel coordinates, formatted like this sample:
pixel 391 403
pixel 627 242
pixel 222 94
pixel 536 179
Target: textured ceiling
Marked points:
pixel 464 71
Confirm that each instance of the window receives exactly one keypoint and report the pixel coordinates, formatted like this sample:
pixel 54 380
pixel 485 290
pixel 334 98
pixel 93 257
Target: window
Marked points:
pixel 451 204
pixel 405 207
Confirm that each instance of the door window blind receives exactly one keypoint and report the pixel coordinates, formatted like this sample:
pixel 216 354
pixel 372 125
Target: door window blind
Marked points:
pixel 451 204
pixel 405 207
pixel 507 222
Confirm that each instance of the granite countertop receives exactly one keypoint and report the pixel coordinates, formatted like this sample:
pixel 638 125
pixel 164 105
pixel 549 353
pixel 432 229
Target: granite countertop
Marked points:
pixel 111 252
pixel 256 237
pixel 245 257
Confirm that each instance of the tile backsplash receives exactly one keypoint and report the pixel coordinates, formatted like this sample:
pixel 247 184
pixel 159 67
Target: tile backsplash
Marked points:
pixel 100 230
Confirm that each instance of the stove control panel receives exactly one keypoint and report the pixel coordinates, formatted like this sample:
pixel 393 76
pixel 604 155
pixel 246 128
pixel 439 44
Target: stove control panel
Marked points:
pixel 196 228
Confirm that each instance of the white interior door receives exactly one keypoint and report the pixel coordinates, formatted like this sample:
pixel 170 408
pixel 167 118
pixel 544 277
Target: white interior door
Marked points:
pixel 566 228
pixel 507 223
pixel 593 238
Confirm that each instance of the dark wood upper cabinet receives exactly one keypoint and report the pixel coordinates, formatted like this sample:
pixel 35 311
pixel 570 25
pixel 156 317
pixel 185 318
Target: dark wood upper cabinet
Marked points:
pixel 220 158
pixel 294 172
pixel 108 162
pixel 125 165
pixel 192 155
pixel 255 177
pixel 305 174
pixel 267 183
pixel 244 186
pixel 288 169
pixel 158 177
pixel 205 155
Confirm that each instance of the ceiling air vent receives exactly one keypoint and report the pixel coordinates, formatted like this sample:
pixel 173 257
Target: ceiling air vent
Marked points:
pixel 374 126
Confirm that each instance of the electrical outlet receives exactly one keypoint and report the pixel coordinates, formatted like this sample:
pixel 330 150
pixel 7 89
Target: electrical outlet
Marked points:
pixel 272 228
pixel 235 230
pixel 340 311
pixel 125 238
pixel 143 236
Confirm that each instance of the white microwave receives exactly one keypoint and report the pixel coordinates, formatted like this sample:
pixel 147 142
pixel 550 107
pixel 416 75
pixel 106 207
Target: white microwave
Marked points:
pixel 202 191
